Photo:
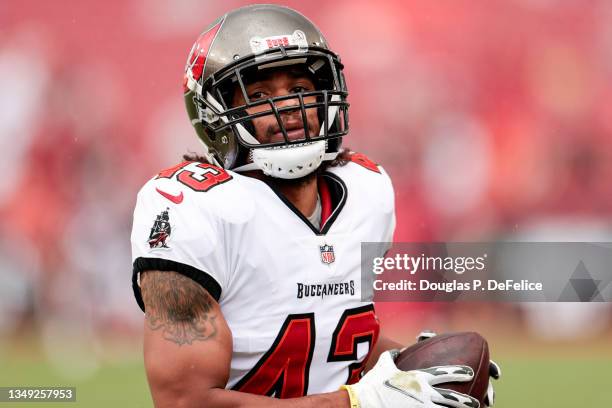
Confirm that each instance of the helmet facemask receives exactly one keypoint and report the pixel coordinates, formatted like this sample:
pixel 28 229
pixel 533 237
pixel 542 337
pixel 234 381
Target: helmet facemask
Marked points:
pixel 289 154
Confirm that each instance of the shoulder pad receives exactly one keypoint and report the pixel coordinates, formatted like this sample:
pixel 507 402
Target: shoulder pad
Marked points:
pixel 367 180
pixel 201 187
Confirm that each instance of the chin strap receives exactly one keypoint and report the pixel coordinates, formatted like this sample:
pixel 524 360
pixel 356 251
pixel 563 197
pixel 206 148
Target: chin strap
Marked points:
pixel 253 166
pixel 246 167
pixel 330 156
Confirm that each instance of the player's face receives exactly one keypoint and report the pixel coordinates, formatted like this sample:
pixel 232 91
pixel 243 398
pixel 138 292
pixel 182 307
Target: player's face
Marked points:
pixel 273 83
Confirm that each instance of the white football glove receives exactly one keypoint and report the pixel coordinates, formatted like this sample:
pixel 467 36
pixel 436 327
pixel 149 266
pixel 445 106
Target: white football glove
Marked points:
pixel 494 370
pixel 387 386
pixel 495 373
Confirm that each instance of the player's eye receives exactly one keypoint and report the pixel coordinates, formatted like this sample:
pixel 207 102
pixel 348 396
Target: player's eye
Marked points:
pixel 256 95
pixel 299 89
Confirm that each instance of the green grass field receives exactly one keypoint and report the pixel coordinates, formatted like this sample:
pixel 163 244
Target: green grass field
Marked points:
pixel 555 383
pixel 538 383
pixel 116 384
pixel 538 375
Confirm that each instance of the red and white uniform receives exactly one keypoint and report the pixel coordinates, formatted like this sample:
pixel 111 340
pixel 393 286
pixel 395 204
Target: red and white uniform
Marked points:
pixel 291 294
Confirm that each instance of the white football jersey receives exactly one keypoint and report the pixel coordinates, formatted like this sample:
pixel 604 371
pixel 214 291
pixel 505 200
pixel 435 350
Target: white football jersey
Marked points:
pixel 291 294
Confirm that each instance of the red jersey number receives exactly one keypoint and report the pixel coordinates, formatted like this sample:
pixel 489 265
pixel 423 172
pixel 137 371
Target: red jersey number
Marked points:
pixel 362 160
pixel 199 177
pixel 284 370
pixel 356 326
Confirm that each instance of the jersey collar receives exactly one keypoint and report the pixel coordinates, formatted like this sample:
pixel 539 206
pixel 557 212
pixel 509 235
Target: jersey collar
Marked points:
pixel 333 193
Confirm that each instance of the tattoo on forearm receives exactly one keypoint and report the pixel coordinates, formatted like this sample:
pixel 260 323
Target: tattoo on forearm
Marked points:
pixel 179 307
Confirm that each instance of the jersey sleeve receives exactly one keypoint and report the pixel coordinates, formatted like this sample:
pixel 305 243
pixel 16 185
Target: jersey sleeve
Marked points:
pixel 173 232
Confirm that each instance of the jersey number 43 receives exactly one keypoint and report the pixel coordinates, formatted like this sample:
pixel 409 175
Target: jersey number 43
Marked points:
pixel 284 369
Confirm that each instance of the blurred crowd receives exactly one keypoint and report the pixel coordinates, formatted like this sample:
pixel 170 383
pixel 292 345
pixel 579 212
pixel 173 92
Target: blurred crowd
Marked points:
pixel 492 120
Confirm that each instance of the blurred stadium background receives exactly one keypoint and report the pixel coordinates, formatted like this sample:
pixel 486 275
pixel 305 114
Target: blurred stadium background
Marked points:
pixel 491 118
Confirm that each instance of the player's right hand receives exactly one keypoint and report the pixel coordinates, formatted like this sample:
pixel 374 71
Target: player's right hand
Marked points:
pixel 387 386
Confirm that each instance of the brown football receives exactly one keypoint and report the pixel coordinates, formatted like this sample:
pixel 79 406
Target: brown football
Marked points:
pixel 467 348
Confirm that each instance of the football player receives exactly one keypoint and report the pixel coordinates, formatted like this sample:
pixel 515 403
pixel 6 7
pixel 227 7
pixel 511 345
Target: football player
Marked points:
pixel 255 290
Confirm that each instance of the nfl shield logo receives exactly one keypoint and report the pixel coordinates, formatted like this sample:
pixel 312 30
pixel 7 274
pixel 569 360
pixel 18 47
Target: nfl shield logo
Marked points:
pixel 327 254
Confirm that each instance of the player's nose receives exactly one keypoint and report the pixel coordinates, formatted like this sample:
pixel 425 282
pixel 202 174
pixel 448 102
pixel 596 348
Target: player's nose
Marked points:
pixel 289 109
pixel 287 102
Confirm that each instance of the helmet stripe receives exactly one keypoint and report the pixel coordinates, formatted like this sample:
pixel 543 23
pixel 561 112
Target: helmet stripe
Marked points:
pixel 197 57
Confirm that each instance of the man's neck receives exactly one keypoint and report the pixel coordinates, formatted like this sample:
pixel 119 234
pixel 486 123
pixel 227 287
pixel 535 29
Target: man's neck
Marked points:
pixel 302 194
